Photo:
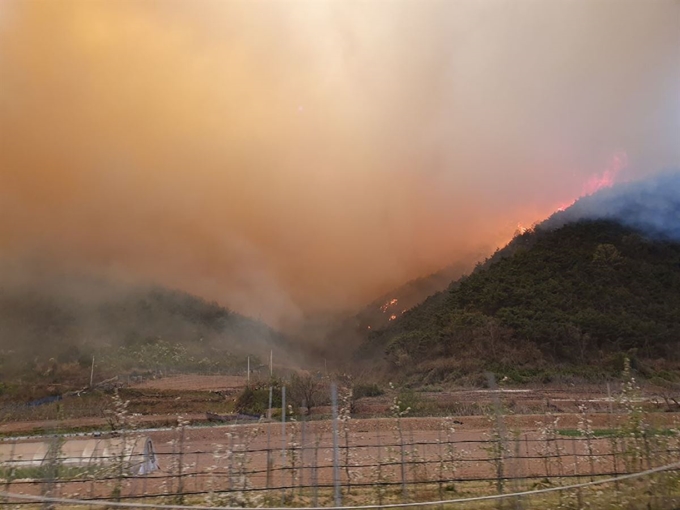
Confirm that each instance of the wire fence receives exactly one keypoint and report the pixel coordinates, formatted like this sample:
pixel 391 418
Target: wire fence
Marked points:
pixel 393 461
pixel 8 497
pixel 252 465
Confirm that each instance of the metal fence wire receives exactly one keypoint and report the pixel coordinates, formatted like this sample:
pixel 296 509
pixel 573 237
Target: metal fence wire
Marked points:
pixel 338 463
pixel 314 464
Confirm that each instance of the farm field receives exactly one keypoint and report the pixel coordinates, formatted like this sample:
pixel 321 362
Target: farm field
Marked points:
pixel 387 459
pixel 158 402
pixel 470 442
pixel 194 382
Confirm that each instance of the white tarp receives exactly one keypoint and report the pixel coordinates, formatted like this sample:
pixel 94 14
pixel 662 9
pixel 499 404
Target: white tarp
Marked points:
pixel 136 454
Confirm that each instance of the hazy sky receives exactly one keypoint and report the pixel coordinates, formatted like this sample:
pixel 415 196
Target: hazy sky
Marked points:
pixel 285 156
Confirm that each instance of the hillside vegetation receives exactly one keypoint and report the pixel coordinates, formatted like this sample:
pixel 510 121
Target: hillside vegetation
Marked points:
pixel 574 300
pixel 52 331
pixel 352 330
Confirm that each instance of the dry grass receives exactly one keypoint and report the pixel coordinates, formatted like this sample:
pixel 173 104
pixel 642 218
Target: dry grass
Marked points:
pixel 194 382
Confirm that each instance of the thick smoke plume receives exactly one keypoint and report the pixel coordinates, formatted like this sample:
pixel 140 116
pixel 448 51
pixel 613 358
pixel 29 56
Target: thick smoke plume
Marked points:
pixel 651 206
pixel 47 315
pixel 286 158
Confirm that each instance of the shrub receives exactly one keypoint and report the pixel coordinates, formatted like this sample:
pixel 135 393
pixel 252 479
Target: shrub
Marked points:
pixel 307 390
pixel 367 390
pixel 254 399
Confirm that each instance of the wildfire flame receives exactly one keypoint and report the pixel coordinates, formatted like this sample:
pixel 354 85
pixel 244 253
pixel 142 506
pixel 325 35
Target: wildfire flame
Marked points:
pixel 605 179
pixel 388 305
pixel 392 317
pixel 600 181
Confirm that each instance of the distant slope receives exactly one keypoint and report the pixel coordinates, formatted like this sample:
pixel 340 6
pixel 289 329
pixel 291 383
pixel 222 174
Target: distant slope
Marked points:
pixel 390 306
pixel 576 292
pixel 350 332
pixel 70 319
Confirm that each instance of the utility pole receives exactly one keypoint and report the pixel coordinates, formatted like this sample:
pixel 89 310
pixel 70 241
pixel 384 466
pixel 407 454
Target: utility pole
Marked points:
pixel 248 369
pixel 92 373
pixel 271 363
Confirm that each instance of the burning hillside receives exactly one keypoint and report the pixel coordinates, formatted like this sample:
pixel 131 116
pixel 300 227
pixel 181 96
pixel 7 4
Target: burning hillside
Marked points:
pixel 595 281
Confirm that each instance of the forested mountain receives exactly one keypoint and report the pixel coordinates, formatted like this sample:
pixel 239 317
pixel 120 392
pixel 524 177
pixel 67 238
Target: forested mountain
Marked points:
pixel 70 319
pixel 577 293
pixel 388 307
pixel 352 330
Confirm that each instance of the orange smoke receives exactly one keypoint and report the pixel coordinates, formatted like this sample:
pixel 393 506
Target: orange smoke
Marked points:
pixel 291 157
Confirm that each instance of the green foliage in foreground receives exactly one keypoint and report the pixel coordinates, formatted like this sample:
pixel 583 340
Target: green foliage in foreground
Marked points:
pixel 576 300
pixel 47 472
pixel 613 432
pixel 254 399
pixel 367 390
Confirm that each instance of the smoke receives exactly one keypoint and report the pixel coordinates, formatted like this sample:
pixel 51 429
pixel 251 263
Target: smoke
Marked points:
pixel 651 206
pixel 46 314
pixel 291 157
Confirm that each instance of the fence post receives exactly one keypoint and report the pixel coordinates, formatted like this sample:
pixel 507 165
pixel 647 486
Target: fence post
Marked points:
pixel 283 440
pixel 51 472
pixel 303 448
pixel 10 471
pixel 402 448
pixel 380 465
pixel 315 473
pixel 441 464
pixel 413 460
pixel 336 460
pixel 577 472
pixel 195 473
pixel 180 466
pixel 269 440
pixel 231 461
pixel 500 430
pixel 348 474
pixel 614 438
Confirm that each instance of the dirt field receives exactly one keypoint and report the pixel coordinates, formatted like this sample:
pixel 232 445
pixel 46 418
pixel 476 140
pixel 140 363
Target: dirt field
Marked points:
pixel 372 450
pixel 233 457
pixel 158 402
pixel 194 383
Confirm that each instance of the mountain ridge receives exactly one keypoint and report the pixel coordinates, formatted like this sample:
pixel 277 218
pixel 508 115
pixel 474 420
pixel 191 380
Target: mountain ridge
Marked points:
pixel 71 318
pixel 578 287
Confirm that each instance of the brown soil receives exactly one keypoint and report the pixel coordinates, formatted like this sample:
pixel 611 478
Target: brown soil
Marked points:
pixel 194 382
pixel 206 466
